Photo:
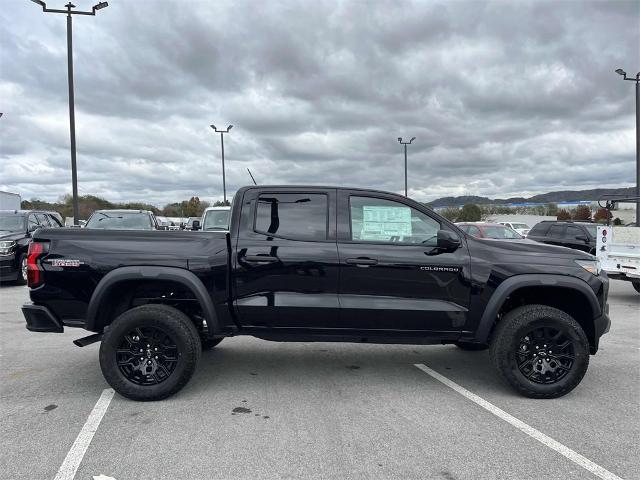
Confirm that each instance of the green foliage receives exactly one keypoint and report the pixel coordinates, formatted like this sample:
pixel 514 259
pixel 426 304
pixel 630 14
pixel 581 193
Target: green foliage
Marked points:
pixel 470 213
pixel 582 213
pixel 552 209
pixel 450 213
pixel 194 207
pixel 563 215
pixel 617 221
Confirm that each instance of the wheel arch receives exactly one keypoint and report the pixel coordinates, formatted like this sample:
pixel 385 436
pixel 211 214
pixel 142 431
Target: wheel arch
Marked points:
pixel 97 314
pixel 569 294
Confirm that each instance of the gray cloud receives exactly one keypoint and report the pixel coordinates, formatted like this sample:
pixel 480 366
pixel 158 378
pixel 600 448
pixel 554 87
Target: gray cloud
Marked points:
pixel 505 98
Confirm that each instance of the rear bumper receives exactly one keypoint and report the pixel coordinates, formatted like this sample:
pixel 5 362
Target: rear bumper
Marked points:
pixel 40 319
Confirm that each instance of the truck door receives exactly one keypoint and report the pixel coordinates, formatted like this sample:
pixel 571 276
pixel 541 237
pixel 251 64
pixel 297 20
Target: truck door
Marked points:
pixel 286 259
pixel 391 274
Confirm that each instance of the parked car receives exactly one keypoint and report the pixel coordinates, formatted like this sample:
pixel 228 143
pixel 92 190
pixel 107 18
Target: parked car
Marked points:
pixel 16 227
pixel 193 223
pixel 576 235
pixel 122 220
pixel 318 264
pixel 216 218
pixel 490 230
pixel 521 228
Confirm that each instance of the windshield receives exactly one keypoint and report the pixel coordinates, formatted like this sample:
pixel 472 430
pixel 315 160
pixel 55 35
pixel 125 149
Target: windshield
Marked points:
pixel 12 223
pixel 520 225
pixel 592 229
pixel 120 221
pixel 216 220
pixel 500 232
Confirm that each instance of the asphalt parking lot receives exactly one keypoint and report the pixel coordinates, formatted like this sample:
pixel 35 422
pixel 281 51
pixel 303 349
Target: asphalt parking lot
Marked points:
pixel 257 409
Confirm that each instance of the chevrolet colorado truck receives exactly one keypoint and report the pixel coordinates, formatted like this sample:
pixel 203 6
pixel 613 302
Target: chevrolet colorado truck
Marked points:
pixel 306 264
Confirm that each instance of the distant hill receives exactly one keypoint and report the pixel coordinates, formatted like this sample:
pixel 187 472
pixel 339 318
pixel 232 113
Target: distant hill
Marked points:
pixel 555 197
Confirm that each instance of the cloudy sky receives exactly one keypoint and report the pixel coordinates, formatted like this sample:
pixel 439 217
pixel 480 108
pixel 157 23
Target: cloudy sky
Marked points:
pixel 505 98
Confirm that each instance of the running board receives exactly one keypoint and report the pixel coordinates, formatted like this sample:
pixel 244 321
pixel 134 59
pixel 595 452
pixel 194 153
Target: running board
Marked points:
pixel 83 342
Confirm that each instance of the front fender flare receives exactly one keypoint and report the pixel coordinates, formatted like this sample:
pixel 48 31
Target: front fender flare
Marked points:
pixel 178 275
pixel 511 284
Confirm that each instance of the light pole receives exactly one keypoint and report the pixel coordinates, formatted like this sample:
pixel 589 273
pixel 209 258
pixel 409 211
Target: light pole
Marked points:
pixel 224 181
pixel 72 116
pixel 619 71
pixel 405 161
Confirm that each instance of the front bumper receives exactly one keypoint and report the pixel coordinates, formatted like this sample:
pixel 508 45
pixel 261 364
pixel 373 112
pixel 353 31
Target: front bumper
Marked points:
pixel 9 267
pixel 40 319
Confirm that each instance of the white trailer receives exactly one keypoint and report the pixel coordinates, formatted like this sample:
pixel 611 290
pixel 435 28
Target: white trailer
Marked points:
pixel 618 249
pixel 9 201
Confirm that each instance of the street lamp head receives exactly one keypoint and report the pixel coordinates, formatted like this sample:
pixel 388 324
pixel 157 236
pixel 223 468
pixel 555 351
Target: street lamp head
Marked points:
pixel 40 2
pixel 412 139
pixel 619 71
pixel 400 139
pixel 100 6
pixel 214 127
pixel 229 127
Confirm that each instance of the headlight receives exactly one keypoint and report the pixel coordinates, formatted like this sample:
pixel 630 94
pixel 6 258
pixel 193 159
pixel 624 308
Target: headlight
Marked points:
pixel 591 266
pixel 6 247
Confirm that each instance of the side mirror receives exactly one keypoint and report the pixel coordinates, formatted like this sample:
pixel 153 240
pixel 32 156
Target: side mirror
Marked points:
pixel 448 241
pixel 582 238
pixel 195 225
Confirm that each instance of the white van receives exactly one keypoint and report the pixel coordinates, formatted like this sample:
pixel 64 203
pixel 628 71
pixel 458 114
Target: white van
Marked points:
pixel 216 218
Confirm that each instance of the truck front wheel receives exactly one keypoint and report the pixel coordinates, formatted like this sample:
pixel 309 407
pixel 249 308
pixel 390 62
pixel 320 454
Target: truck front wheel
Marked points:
pixel 540 351
pixel 149 352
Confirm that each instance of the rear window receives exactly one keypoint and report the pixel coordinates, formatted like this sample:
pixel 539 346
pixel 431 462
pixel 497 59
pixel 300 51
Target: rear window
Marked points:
pixel 500 232
pixel 540 229
pixel 556 231
pixel 120 221
pixel 291 215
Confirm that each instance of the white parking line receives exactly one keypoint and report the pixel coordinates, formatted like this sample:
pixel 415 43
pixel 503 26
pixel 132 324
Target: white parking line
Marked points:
pixel 532 432
pixel 72 461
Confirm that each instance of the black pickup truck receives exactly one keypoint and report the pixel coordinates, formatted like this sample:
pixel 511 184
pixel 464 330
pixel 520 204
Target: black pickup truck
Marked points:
pixel 317 264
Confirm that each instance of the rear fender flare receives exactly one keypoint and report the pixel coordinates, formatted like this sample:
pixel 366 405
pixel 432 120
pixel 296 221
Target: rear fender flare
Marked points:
pixel 178 275
pixel 512 284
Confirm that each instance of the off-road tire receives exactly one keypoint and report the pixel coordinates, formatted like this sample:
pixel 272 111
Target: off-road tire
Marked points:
pixel 171 321
pixel 506 339
pixel 209 343
pixel 636 286
pixel 471 347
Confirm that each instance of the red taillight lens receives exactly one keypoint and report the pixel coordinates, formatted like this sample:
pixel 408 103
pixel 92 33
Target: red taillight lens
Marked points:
pixel 34 272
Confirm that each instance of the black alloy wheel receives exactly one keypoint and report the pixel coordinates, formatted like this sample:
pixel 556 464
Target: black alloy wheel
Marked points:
pixel 545 355
pixel 147 356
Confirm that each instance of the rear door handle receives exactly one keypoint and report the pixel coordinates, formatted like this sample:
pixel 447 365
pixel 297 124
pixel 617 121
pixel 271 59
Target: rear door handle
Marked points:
pixel 361 262
pixel 260 258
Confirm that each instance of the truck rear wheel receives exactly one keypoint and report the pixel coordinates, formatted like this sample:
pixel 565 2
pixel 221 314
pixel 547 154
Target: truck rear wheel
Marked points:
pixel 149 352
pixel 540 351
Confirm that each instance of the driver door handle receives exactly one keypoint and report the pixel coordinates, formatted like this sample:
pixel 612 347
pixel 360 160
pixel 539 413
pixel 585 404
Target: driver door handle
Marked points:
pixel 260 258
pixel 361 261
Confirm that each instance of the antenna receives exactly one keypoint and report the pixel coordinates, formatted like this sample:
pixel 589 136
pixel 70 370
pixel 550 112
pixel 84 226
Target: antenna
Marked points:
pixel 254 180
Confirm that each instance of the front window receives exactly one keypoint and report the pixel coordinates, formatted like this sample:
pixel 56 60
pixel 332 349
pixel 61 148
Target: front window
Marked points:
pixel 216 220
pixel 385 221
pixel 120 221
pixel 12 223
pixel 522 226
pixel 500 232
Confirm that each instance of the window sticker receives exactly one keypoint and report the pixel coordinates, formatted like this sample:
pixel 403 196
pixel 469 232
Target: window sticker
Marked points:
pixel 382 223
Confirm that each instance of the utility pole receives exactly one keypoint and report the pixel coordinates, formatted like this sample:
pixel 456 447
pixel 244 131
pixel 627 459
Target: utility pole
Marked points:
pixel 224 181
pixel 405 161
pixel 72 115
pixel 619 71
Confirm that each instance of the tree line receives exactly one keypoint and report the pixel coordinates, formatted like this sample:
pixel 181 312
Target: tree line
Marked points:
pixel 87 204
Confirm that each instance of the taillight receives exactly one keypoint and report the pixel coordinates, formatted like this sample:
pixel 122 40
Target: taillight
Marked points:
pixel 35 274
